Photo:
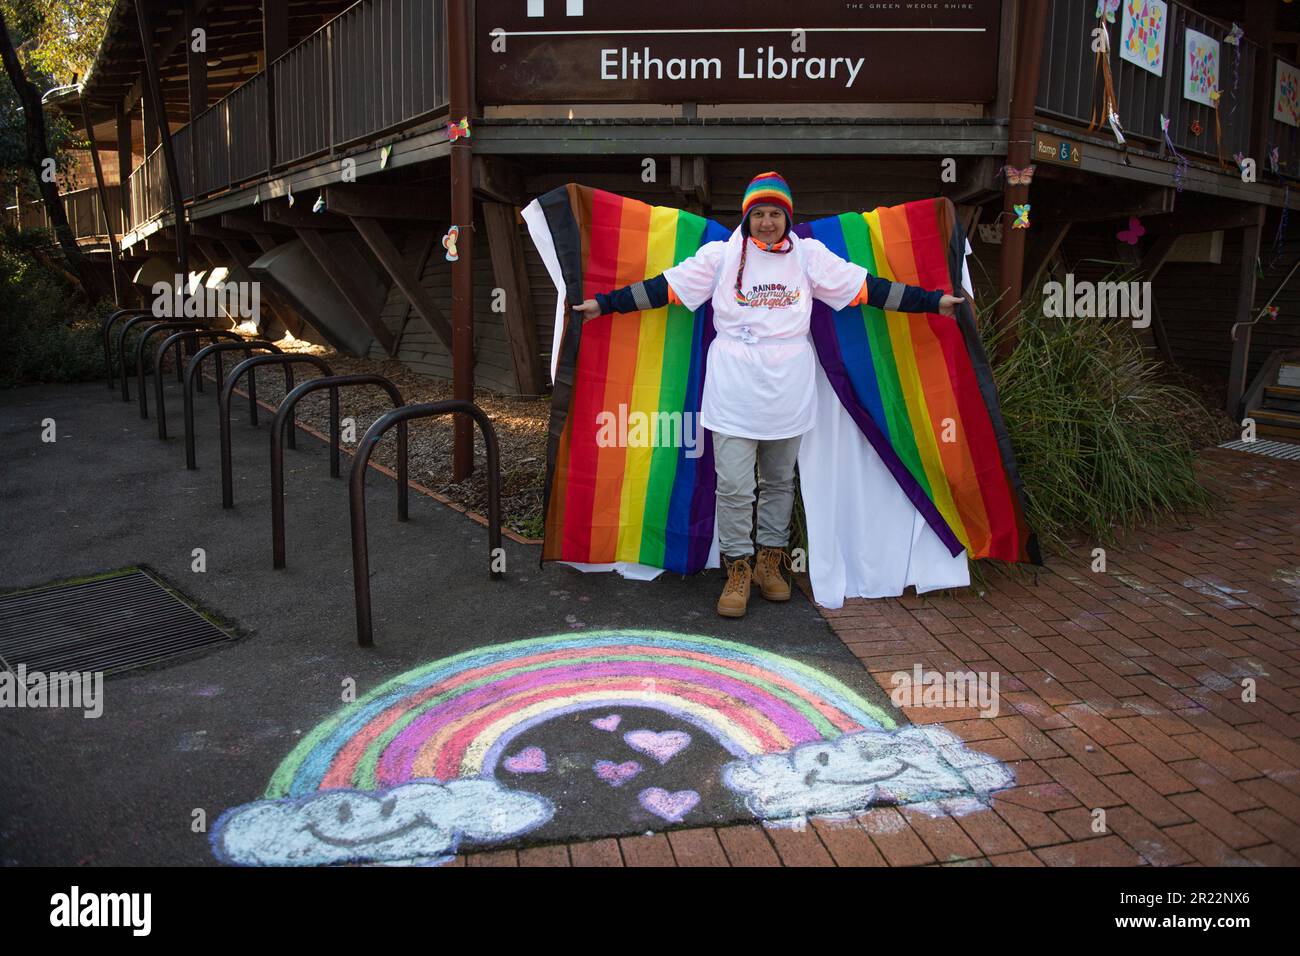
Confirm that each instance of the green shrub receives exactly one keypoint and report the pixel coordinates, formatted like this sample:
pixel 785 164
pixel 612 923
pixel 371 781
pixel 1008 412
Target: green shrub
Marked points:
pixel 47 331
pixel 1103 440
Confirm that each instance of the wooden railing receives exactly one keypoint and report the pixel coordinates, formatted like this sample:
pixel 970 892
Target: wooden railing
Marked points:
pixel 378 66
pixel 81 206
pixel 1069 87
pixel 301 80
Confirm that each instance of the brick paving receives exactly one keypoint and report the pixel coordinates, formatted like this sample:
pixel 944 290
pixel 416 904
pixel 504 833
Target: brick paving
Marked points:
pixel 1120 691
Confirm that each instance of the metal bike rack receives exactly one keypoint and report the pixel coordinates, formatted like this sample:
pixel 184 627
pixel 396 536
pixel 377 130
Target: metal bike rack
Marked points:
pixel 357 496
pixel 282 414
pixel 121 348
pixel 192 370
pixel 141 350
pixel 175 341
pixel 105 333
pixel 223 407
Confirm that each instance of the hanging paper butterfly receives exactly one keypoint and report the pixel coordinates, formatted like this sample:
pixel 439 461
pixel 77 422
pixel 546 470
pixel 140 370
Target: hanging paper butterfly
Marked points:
pixel 1020 177
pixel 1273 159
pixel 384 153
pixel 1197 128
pixel 456 130
pixel 1272 312
pixel 1234 36
pixel 1107 8
pixel 290 199
pixel 1214 97
pixel 319 204
pixel 1022 216
pixel 1133 233
pixel 449 243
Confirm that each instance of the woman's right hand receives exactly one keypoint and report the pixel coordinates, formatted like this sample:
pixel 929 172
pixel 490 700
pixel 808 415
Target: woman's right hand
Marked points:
pixel 589 309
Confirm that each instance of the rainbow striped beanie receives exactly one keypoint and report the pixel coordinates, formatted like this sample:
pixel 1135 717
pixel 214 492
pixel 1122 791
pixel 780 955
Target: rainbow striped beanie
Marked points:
pixel 768 189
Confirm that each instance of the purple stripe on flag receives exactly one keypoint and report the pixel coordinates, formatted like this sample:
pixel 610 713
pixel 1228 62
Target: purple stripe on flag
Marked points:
pixel 828 351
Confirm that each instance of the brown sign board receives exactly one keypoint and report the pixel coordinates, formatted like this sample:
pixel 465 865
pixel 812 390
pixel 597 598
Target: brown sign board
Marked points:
pixel 741 51
pixel 1053 149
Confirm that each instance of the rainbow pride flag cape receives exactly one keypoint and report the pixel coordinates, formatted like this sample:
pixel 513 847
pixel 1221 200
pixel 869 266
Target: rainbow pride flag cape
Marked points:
pixel 918 386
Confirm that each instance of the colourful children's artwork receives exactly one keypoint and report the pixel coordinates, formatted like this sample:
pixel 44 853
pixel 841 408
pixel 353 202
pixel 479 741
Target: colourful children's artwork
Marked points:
pixel 1142 34
pixel 1200 67
pixel 1286 94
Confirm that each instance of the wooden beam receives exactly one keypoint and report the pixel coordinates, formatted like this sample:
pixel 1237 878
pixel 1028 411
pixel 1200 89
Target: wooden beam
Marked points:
pixel 251 222
pixel 1233 216
pixel 159 110
pixel 340 273
pixel 196 75
pixel 275 41
pixel 391 259
pixel 979 183
pixel 689 181
pixel 208 229
pixel 123 118
pixel 1250 237
pixel 120 283
pixel 418 249
pixel 298 218
pixel 507 253
pixel 1044 244
pixel 1111 204
pixel 387 202
pixel 174 38
pixel 499 179
pixel 1153 260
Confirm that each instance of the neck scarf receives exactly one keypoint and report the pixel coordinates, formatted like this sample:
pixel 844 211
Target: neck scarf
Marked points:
pixel 780 247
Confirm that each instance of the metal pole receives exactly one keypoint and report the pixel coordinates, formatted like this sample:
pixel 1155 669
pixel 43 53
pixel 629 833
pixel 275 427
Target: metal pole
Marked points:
pixel 165 137
pixel 119 291
pixel 460 95
pixel 1032 21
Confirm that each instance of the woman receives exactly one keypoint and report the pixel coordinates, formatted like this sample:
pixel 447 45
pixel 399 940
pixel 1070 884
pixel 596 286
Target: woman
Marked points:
pixel 760 383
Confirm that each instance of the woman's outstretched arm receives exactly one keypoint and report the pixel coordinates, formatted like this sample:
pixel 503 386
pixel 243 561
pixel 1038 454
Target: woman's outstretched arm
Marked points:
pixel 688 283
pixel 900 297
pixel 840 284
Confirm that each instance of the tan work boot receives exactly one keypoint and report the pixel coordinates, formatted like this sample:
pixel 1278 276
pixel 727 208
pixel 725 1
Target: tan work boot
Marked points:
pixel 735 596
pixel 768 575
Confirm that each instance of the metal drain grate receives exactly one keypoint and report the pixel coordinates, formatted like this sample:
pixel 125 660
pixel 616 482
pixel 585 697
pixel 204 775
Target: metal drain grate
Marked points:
pixel 109 625
pixel 1273 449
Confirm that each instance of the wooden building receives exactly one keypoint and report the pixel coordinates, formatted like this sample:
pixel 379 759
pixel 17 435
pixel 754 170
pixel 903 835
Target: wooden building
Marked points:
pixel 309 148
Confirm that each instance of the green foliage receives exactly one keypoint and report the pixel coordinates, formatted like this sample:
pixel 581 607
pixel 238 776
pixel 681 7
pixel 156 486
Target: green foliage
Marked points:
pixel 62 35
pixel 47 332
pixel 1103 439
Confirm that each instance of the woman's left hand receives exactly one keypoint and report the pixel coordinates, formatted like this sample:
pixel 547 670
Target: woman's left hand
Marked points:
pixel 948 304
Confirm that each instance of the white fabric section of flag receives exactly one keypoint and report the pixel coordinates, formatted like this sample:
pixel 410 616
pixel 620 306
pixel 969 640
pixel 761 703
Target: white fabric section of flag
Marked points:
pixel 865 537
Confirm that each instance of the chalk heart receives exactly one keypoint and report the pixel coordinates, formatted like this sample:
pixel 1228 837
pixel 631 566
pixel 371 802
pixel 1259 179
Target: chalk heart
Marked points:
pixel 617 774
pixel 529 760
pixel 607 723
pixel 663 747
pixel 671 806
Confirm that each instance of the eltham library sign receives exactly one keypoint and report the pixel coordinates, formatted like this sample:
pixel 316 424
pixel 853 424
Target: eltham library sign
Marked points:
pixel 745 51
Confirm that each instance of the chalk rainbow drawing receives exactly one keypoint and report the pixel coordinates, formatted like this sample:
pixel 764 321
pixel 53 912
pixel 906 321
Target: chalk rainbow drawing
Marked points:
pixel 453 721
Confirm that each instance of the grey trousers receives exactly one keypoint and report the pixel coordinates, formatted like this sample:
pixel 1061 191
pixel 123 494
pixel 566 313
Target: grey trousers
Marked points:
pixel 733 459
